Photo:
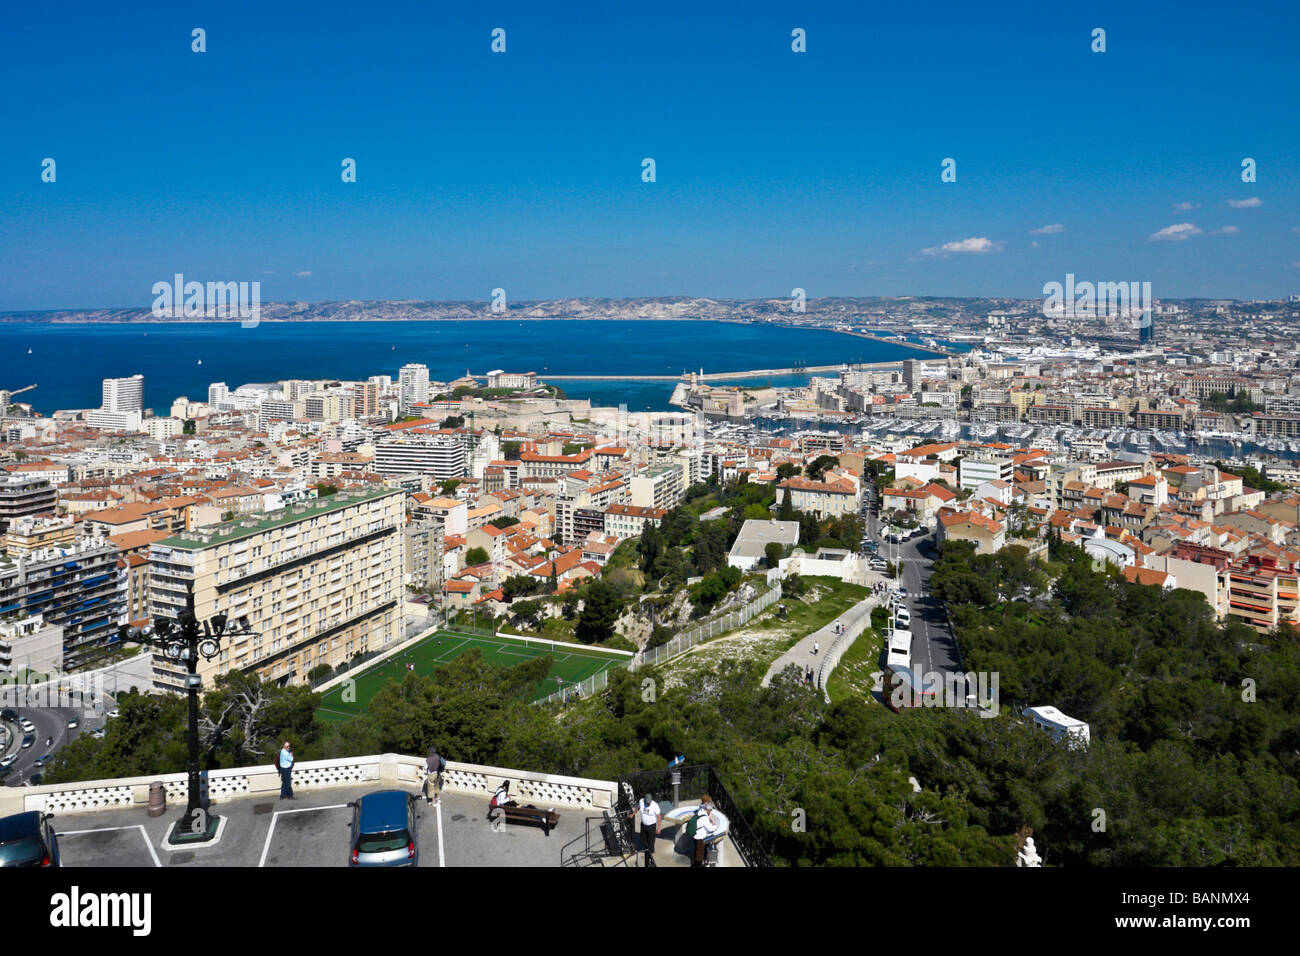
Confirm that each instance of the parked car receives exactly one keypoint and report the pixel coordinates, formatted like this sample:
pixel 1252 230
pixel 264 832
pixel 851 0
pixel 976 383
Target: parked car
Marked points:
pixel 35 780
pixel 8 761
pixel 114 713
pixel 9 714
pixel 27 726
pixel 385 829
pixel 903 616
pixel 27 839
pixel 28 740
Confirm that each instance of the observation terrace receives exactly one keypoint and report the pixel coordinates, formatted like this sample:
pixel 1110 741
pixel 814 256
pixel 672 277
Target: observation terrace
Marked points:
pixel 106 822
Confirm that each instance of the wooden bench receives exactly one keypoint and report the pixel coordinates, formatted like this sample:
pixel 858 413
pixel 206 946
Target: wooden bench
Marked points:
pixel 545 818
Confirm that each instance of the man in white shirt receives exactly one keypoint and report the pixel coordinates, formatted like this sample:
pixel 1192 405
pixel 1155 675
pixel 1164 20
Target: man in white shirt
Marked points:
pixel 651 824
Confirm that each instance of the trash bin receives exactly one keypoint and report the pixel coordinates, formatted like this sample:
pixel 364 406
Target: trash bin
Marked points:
pixel 157 799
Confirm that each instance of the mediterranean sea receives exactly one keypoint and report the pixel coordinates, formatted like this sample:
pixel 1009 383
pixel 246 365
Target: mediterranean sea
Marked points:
pixel 67 361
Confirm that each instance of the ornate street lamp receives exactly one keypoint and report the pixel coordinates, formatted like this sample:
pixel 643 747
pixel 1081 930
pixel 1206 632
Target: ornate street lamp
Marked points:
pixel 186 638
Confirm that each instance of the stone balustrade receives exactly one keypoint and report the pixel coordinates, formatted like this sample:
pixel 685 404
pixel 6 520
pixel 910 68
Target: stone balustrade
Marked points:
pixel 381 770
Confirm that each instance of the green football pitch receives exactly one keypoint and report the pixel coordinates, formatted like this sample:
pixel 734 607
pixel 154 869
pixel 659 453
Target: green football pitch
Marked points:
pixel 570 666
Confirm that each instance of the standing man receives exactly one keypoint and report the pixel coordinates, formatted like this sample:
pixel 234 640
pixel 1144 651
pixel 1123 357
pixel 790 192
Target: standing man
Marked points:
pixel 286 771
pixel 433 768
pixel 651 824
pixel 816 647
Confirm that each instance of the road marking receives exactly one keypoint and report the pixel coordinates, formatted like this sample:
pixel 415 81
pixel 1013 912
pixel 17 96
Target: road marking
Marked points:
pixel 437 806
pixel 271 830
pixel 140 827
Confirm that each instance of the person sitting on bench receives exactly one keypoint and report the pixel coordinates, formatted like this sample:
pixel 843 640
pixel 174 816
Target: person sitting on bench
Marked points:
pixel 501 799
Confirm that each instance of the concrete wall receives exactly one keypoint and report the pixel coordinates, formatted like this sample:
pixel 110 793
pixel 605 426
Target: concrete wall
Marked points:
pixel 384 770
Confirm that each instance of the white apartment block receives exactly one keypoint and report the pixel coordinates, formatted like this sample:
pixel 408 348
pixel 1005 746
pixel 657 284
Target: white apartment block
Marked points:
pixel 123 394
pixel 318 581
pixel 659 487
pixel 437 455
pixel 413 382
pixel 974 472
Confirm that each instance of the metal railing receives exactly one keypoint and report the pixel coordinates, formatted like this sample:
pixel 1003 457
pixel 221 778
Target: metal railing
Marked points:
pixel 694 782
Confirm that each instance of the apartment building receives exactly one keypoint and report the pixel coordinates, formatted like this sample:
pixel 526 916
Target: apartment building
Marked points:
pixel 626 521
pixel 422 551
pixel 319 582
pixel 988 535
pixel 30 644
pixel 975 470
pixel 31 533
pixel 441 456
pixel 25 496
pixel 1286 426
pixel 824 498
pixel 660 486
pixel 1261 592
pixel 77 588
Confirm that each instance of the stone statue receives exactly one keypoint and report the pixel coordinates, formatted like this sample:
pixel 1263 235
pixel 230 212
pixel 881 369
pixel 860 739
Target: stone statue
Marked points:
pixel 1028 856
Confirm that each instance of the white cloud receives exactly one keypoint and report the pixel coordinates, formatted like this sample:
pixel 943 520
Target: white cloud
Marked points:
pixel 1182 230
pixel 1048 230
pixel 1186 206
pixel 268 272
pixel 975 245
pixel 303 275
pixel 1251 203
pixel 1034 244
pixel 1225 231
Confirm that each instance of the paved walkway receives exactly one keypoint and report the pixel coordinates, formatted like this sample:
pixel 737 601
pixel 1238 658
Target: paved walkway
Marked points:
pixel 802 654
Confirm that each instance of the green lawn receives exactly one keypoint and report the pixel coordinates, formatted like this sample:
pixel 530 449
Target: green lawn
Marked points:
pixel 570 665
pixel 852 677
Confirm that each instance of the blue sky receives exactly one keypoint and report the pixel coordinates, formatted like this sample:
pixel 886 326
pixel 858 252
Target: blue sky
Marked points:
pixel 523 170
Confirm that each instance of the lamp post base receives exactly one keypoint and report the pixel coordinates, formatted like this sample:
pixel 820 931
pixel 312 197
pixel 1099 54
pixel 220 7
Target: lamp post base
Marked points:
pixel 196 830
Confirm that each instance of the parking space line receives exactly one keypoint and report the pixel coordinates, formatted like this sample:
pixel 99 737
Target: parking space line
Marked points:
pixel 266 847
pixel 437 807
pixel 144 833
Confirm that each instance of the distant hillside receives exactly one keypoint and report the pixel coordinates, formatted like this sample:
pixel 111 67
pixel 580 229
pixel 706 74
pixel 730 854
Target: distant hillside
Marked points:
pixel 669 307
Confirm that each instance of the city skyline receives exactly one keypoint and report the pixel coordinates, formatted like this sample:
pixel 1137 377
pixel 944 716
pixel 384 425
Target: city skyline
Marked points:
pixel 522 170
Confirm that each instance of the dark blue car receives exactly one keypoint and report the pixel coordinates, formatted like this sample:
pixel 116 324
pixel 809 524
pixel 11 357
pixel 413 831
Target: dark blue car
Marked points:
pixel 385 828
pixel 27 839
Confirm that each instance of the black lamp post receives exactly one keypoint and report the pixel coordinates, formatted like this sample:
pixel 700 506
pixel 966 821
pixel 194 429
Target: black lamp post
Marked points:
pixel 186 638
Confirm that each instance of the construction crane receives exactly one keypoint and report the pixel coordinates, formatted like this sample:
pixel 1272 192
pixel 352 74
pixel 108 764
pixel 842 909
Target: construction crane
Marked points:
pixel 27 388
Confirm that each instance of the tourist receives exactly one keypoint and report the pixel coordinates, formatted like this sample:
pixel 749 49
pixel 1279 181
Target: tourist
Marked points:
pixel 501 799
pixel 816 647
pixel 651 824
pixel 286 772
pixel 433 768
pixel 706 825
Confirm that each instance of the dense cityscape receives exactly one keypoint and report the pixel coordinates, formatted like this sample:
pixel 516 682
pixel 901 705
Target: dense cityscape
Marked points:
pixel 352 524
pixel 785 440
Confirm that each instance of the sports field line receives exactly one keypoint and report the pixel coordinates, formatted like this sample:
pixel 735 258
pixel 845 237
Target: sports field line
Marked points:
pixel 341 713
pixel 439 659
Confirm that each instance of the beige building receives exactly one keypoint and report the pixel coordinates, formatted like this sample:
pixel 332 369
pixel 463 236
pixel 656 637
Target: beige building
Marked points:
pixel 319 582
